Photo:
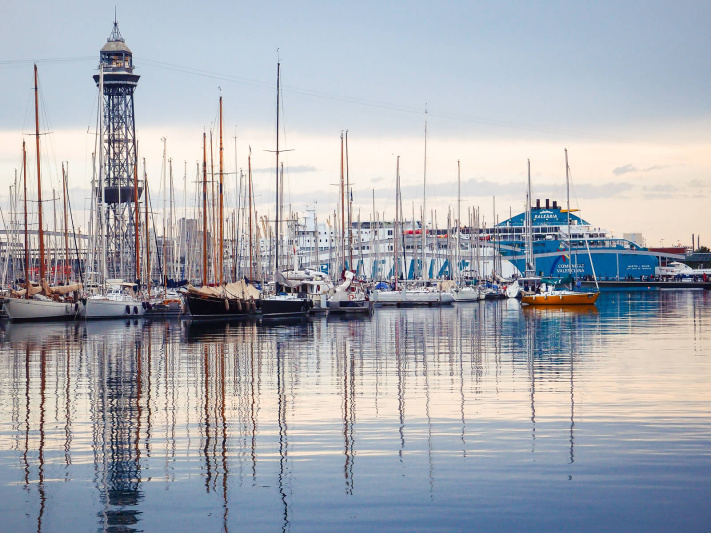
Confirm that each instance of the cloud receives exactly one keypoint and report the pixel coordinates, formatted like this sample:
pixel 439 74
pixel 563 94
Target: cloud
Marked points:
pixel 626 169
pixel 698 184
pixel 661 188
pixel 619 171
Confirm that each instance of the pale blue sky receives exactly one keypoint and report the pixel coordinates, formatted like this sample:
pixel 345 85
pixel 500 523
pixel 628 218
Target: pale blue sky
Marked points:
pixel 625 83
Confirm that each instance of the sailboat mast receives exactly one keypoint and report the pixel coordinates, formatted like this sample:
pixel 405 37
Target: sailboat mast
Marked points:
pixel 343 207
pixel 221 256
pixel 350 206
pixel 148 231
pixel 27 238
pixel 276 221
pixel 425 273
pixel 459 220
pixel 40 232
pixel 397 225
pixel 66 229
pixel 567 199
pixel 529 227
pixel 102 220
pixel 204 210
pixel 136 218
pixel 249 192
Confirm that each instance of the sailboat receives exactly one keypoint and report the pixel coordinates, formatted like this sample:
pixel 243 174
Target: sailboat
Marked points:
pixel 281 303
pixel 549 295
pixel 401 295
pixel 40 302
pixel 222 301
pixel 112 298
pixel 349 297
pixel 529 282
pixel 460 292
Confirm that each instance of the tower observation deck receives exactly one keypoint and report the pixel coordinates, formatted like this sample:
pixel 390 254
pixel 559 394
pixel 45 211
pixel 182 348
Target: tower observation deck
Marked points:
pixel 119 154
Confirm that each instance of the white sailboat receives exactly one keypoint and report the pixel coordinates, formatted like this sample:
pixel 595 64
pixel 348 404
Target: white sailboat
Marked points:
pixel 401 295
pixel 461 292
pixel 112 298
pixel 349 297
pixel 39 303
pixel 529 283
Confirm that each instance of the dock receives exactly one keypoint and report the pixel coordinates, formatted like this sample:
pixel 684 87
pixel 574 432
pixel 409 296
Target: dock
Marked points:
pixel 632 285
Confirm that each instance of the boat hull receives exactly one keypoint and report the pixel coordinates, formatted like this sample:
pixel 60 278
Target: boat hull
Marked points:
pixel 21 310
pixel 284 306
pixel 576 298
pixel 204 307
pixel 104 309
pixel 466 295
pixel 410 298
pixel 350 306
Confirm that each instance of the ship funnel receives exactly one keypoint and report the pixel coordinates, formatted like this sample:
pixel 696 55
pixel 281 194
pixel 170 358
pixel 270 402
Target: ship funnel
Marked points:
pixel 548 205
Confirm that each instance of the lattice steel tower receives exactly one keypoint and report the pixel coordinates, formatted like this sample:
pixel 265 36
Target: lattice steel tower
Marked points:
pixel 119 155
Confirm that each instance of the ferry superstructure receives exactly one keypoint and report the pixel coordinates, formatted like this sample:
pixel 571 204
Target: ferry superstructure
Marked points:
pixel 560 249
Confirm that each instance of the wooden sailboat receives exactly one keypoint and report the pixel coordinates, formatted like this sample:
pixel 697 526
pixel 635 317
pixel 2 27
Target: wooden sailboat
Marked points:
pixel 222 301
pixel 42 302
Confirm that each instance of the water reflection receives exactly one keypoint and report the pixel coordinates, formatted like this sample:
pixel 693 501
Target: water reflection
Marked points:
pixel 429 412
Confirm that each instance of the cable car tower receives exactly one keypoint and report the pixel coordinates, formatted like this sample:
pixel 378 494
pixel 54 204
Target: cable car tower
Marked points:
pixel 119 155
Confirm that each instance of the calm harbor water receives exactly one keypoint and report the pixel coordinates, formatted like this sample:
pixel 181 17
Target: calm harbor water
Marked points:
pixel 481 416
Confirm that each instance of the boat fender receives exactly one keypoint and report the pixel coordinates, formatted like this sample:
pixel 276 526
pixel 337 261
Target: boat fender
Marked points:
pixel 227 305
pixel 239 306
pixel 76 307
pixel 135 309
pixel 351 297
pixel 143 304
pixel 128 309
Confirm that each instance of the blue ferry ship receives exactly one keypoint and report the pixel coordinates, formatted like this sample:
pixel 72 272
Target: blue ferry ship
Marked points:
pixel 560 249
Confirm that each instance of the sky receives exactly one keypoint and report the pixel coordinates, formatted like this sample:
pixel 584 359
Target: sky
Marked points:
pixel 622 85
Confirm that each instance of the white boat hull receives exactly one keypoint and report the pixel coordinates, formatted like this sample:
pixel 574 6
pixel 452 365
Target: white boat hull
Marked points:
pixel 103 308
pixel 21 310
pixel 466 295
pixel 411 297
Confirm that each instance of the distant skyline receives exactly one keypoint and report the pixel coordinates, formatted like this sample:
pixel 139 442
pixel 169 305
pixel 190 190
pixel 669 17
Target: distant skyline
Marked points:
pixel 623 85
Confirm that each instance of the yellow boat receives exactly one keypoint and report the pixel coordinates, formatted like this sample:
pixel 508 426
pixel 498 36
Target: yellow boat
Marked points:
pixel 561 298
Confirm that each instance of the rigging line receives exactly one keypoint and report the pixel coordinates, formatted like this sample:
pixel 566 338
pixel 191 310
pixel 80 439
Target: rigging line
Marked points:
pixel 10 62
pixel 385 105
